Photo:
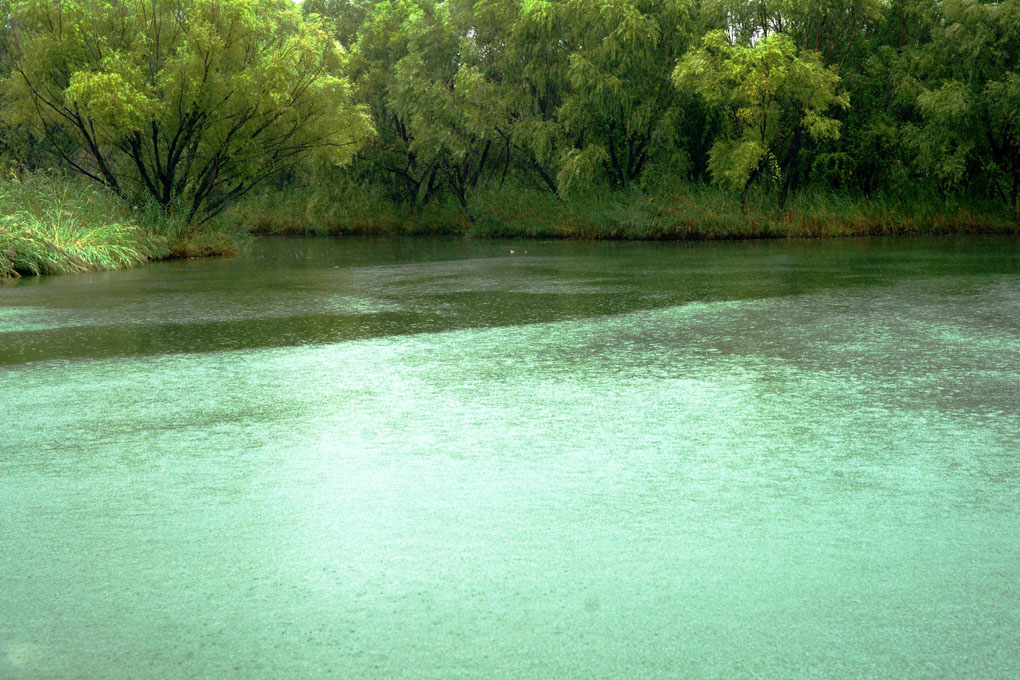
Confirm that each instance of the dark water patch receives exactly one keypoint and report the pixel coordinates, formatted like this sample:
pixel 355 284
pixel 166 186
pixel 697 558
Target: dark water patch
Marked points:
pixel 289 292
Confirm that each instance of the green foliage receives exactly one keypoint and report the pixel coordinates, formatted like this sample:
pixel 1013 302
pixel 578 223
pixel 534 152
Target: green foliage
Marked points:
pixel 603 90
pixel 970 103
pixel 597 118
pixel 406 65
pixel 556 94
pixel 189 103
pixel 52 225
pixel 689 211
pixel 772 95
pixel 345 16
pixel 835 29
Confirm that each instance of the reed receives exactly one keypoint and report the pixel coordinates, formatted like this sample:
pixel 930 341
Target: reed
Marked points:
pixel 689 212
pixel 53 224
pixel 50 225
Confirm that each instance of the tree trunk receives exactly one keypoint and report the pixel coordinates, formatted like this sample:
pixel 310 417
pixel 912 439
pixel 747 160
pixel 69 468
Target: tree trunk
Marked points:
pixel 546 177
pixel 747 185
pixel 1015 195
pixel 789 166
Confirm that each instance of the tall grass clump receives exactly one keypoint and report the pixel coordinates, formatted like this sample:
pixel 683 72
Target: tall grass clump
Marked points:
pixel 685 211
pixel 216 238
pixel 51 224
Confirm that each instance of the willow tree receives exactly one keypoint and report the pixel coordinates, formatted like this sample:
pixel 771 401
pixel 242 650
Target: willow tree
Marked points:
pixel 443 90
pixel 970 134
pixel 773 96
pixel 597 104
pixel 874 152
pixel 426 73
pixel 189 103
pixel 835 29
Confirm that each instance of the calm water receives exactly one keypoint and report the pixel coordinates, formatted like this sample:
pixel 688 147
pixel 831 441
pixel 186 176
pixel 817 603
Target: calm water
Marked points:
pixel 435 459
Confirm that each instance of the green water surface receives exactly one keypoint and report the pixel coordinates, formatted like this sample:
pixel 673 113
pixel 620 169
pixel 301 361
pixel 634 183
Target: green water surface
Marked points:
pixel 440 459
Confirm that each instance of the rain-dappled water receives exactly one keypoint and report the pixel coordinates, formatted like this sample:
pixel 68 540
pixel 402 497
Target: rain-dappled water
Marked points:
pixel 437 459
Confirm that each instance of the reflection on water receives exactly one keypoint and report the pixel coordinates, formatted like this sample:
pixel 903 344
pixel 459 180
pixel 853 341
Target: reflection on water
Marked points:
pixel 431 459
pixel 291 292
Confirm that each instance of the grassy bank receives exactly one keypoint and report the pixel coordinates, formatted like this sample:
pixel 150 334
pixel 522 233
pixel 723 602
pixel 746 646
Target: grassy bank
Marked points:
pixel 55 224
pixel 50 224
pixel 691 213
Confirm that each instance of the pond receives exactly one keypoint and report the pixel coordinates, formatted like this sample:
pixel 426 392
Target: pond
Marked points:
pixel 432 458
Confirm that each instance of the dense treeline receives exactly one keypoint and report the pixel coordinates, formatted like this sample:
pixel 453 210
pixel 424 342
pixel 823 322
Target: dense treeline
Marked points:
pixel 848 95
pixel 406 106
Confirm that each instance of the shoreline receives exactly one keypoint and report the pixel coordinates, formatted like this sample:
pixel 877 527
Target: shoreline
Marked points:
pixel 50 257
pixel 680 235
pixel 50 225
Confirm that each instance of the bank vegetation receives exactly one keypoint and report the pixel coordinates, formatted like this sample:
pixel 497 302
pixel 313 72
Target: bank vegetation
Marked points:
pixel 196 120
